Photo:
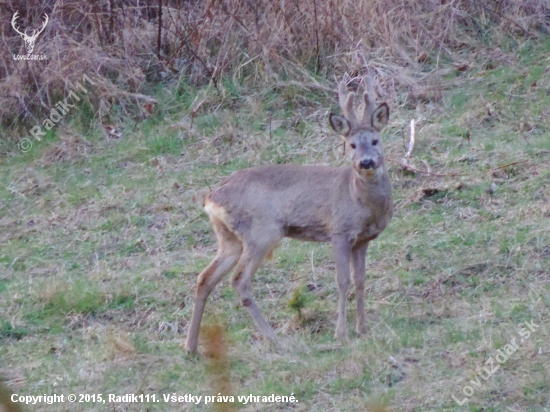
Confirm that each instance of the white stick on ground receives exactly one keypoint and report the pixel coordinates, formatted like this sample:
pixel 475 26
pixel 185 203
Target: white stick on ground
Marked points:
pixel 410 149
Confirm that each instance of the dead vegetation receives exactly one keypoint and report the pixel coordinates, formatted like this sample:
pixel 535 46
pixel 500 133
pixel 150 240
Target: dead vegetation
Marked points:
pixel 127 45
pixel 218 368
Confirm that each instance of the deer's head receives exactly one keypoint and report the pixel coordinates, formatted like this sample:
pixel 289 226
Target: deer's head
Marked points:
pixel 29 39
pixel 361 136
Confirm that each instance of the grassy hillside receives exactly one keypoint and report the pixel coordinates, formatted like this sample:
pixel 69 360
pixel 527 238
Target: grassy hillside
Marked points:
pixel 102 239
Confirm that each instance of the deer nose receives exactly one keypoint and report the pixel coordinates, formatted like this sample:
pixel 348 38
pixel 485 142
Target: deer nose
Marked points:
pixel 367 164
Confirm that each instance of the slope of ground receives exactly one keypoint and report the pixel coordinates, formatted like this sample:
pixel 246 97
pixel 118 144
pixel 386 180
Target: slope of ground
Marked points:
pixel 102 239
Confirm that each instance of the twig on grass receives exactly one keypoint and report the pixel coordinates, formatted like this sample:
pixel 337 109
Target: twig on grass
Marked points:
pixel 411 142
pixel 415 170
pixel 404 163
pixel 509 164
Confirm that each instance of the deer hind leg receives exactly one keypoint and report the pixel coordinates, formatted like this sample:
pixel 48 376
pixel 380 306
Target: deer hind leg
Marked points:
pixel 358 254
pixel 247 266
pixel 229 250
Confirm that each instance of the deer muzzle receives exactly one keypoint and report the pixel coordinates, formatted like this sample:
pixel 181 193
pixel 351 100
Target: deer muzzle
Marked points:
pixel 367 164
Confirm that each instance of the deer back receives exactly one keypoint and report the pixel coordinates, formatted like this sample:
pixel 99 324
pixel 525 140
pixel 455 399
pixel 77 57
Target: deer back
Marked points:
pixel 315 202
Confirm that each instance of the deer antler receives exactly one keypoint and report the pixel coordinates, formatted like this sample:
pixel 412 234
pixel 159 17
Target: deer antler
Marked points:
pixel 13 20
pixel 347 99
pixel 370 97
pixel 346 103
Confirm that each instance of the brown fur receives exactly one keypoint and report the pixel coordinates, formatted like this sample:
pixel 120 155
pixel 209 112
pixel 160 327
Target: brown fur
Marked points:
pixel 255 208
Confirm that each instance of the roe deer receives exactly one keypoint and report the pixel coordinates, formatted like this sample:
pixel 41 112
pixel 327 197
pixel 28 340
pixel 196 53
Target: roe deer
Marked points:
pixel 255 208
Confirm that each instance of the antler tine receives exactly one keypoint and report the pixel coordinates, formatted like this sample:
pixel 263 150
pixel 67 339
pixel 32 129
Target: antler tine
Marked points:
pixel 346 102
pixel 370 98
pixel 342 93
pixel 13 22
pixel 46 20
pixel 370 85
pixel 36 32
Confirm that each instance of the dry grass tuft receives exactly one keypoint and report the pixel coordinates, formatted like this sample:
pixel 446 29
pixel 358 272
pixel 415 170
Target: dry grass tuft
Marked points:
pixel 215 341
pixel 376 407
pixel 69 149
pixel 120 345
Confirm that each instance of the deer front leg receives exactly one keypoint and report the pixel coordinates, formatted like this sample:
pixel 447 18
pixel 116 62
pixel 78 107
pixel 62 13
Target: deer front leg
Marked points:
pixel 342 255
pixel 358 254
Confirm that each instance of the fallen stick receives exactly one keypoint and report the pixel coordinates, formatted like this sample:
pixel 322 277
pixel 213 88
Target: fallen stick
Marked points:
pixel 415 170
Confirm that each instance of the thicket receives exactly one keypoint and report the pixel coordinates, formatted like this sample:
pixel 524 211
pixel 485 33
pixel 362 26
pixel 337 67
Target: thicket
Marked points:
pixel 130 47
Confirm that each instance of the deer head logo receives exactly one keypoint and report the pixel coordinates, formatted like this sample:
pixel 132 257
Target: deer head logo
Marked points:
pixel 29 40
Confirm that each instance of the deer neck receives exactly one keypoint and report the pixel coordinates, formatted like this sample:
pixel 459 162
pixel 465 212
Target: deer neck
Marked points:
pixel 371 191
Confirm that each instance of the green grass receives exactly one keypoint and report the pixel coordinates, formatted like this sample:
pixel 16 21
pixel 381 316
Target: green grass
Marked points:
pixel 100 251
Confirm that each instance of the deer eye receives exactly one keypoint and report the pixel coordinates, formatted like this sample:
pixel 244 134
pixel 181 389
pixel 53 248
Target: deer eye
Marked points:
pixel 374 142
pixel 353 146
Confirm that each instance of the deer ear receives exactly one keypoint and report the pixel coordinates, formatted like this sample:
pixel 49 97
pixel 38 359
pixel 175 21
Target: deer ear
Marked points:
pixel 380 116
pixel 340 124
